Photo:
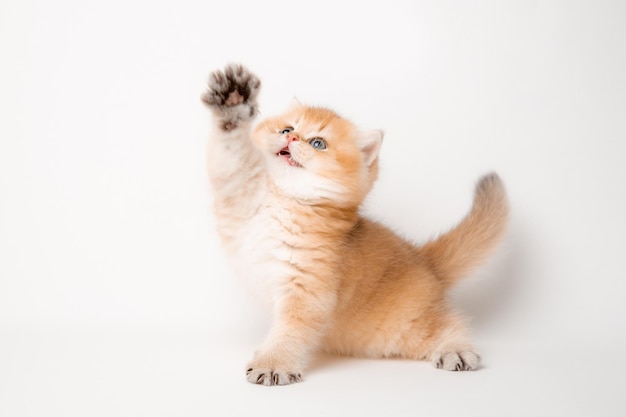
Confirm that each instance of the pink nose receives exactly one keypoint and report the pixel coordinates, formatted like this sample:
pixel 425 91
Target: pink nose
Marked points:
pixel 291 138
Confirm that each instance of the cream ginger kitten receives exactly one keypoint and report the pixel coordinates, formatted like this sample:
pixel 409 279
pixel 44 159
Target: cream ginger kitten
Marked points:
pixel 287 196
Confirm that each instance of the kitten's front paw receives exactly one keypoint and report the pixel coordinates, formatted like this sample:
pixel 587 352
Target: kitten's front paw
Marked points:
pixel 457 361
pixel 232 95
pixel 266 376
pixel 269 371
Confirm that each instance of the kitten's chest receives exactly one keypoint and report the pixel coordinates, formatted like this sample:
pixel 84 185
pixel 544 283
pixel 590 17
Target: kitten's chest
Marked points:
pixel 267 246
pixel 271 228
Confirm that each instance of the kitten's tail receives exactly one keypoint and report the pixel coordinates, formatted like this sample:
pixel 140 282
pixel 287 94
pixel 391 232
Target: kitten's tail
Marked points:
pixel 457 252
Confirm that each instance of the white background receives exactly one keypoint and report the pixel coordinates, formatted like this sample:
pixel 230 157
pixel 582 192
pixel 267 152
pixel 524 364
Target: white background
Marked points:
pixel 115 299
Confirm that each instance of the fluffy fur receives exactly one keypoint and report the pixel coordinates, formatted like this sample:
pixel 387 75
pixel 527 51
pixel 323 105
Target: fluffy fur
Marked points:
pixel 287 206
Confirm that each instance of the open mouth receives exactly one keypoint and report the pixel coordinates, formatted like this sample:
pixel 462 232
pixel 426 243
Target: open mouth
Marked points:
pixel 286 156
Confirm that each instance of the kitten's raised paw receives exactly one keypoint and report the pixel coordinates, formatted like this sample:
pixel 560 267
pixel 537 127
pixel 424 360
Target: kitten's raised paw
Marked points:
pixel 266 376
pixel 232 95
pixel 457 361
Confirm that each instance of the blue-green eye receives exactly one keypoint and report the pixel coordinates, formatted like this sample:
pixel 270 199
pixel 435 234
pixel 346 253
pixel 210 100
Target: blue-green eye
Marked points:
pixel 318 143
pixel 286 130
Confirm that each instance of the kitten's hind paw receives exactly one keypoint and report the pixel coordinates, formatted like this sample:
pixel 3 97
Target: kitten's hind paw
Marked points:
pixel 232 95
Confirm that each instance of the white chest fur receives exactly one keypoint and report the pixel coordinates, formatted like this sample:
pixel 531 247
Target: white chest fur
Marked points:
pixel 262 251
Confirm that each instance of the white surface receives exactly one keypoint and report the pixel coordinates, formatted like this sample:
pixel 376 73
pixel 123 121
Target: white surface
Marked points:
pixel 114 296
pixel 141 372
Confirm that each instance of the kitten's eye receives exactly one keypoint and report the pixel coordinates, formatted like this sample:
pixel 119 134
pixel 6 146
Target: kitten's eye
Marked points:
pixel 286 130
pixel 318 143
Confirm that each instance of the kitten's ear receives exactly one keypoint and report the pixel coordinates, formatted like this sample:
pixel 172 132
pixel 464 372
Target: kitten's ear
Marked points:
pixel 294 103
pixel 369 141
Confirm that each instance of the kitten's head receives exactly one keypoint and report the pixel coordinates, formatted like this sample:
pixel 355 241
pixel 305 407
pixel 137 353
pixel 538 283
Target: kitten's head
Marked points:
pixel 315 155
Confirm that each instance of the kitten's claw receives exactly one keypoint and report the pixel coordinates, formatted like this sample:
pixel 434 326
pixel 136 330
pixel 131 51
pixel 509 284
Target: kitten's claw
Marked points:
pixel 457 361
pixel 232 95
pixel 269 377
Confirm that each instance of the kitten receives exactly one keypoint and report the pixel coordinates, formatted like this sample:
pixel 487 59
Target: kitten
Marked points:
pixel 287 196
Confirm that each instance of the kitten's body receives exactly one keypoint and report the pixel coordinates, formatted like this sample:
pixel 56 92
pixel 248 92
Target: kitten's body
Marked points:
pixel 288 216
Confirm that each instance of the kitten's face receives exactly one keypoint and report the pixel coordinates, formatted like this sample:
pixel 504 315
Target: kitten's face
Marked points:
pixel 315 155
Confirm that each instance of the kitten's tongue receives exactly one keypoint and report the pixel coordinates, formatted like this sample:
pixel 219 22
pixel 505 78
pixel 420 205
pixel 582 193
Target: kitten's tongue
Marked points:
pixel 286 155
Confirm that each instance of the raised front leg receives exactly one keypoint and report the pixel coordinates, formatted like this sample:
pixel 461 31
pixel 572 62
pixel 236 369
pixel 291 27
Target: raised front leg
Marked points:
pixel 235 165
pixel 232 96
